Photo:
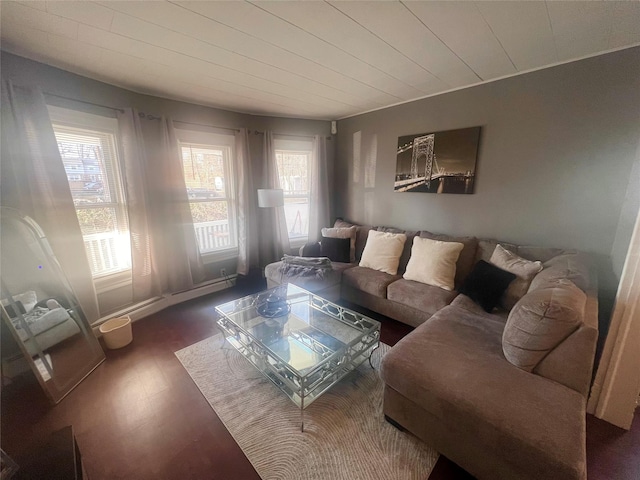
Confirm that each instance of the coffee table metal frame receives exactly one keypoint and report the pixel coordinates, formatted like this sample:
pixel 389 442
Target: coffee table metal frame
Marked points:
pixel 302 387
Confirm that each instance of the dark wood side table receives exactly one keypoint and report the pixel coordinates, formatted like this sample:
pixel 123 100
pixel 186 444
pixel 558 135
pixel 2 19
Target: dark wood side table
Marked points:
pixel 57 458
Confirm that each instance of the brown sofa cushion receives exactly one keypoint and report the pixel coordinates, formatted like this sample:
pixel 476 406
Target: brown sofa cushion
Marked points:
pixel 570 266
pixel 368 280
pixel 467 258
pixel 453 368
pixel 420 296
pixel 540 321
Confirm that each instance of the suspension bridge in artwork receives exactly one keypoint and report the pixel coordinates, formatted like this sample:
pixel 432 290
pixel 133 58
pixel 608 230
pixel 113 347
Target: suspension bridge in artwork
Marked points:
pixel 422 180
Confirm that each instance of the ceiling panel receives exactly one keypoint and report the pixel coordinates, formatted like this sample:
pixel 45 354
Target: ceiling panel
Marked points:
pixel 401 27
pixel 250 19
pixel 14 12
pixel 323 60
pixel 270 61
pixel 90 13
pixel 580 29
pixel 524 30
pixel 327 22
pixel 463 29
pixel 625 28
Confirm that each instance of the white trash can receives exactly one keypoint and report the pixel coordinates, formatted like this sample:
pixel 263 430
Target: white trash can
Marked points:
pixel 117 332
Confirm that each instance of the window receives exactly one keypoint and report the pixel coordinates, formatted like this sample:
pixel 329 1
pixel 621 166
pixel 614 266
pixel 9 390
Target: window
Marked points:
pixel 87 145
pixel 207 168
pixel 293 158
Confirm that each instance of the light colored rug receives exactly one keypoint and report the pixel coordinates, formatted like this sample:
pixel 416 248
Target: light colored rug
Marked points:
pixel 345 437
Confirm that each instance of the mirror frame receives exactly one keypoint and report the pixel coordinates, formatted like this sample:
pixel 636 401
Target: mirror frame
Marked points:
pixel 55 390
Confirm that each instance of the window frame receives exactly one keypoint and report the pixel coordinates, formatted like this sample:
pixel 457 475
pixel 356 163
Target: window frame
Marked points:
pixel 296 146
pixel 68 119
pixel 213 139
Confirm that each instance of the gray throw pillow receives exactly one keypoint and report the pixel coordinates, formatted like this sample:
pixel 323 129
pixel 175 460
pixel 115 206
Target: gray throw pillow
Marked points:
pixel 540 321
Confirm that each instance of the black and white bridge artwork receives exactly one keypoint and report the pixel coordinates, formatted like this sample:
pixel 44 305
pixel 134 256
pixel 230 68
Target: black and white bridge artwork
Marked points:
pixel 440 162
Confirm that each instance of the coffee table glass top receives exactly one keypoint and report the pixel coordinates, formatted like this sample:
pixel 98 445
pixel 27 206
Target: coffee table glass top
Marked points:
pixel 300 341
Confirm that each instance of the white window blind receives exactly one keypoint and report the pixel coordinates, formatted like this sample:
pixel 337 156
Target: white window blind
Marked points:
pixel 90 160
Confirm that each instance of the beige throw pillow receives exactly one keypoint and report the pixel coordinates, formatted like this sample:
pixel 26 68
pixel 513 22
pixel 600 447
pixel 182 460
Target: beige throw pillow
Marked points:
pixel 343 233
pixel 524 270
pixel 433 262
pixel 382 251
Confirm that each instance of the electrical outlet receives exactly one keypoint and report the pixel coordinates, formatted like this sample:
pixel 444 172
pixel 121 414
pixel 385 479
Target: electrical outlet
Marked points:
pixel 223 272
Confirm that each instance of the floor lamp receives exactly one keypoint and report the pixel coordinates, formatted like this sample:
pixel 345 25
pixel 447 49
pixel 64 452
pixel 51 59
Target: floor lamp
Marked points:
pixel 274 305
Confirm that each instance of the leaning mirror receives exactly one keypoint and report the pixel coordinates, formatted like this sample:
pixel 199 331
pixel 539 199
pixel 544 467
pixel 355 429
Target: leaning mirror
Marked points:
pixel 40 311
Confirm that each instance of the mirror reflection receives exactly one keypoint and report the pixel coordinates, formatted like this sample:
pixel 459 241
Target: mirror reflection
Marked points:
pixel 42 318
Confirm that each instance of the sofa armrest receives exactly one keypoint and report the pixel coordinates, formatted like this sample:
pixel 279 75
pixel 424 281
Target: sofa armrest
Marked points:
pixel 311 249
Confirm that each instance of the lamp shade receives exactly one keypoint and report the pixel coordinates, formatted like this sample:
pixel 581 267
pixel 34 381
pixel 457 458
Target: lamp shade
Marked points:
pixel 268 198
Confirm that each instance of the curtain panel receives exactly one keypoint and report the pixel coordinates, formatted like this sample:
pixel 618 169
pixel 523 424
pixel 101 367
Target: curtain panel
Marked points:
pixel 248 233
pixel 144 262
pixel 275 234
pixel 34 181
pixel 319 210
pixel 179 265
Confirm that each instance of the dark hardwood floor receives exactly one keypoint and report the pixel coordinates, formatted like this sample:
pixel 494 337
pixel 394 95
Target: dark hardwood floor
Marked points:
pixel 140 416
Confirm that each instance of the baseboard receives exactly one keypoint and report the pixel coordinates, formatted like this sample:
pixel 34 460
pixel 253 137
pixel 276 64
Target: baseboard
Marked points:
pixel 154 305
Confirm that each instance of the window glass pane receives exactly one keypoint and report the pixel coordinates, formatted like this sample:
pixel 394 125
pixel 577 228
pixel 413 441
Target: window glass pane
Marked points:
pixel 296 212
pixel 293 172
pixel 97 220
pixel 211 222
pixel 203 172
pixel 207 170
pixel 84 158
pixel 90 161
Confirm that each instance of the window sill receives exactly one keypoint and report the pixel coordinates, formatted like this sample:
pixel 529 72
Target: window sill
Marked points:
pixel 113 281
pixel 214 257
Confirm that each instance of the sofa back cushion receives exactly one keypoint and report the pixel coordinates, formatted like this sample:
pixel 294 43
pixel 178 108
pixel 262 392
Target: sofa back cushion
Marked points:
pixel 362 232
pixel 540 321
pixel 467 258
pixel 570 266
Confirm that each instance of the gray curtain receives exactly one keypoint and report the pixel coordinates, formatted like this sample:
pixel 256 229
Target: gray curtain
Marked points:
pixel 319 213
pixel 276 224
pixel 34 181
pixel 178 258
pixel 144 267
pixel 248 233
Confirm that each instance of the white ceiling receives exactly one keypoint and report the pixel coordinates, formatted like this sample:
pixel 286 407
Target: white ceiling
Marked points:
pixel 311 59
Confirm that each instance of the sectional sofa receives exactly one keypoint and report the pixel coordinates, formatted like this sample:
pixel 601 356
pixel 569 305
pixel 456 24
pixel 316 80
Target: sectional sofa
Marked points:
pixel 503 394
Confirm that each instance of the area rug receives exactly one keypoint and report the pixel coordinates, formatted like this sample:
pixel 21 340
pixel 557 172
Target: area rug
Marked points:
pixel 345 435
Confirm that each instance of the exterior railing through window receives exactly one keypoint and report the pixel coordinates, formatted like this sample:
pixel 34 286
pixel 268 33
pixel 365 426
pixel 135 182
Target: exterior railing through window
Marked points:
pixel 106 253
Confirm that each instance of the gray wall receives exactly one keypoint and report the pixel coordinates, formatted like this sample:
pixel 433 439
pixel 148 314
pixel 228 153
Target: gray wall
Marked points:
pixel 59 82
pixel 556 152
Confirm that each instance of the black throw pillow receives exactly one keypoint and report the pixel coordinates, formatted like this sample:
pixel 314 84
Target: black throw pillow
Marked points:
pixel 337 249
pixel 486 284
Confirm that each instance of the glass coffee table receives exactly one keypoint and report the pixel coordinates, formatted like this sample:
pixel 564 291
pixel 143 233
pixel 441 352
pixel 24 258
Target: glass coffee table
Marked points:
pixel 301 342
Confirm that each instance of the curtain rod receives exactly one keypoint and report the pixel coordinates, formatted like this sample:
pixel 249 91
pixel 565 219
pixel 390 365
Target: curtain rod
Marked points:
pixel 256 132
pixel 83 101
pixel 149 116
